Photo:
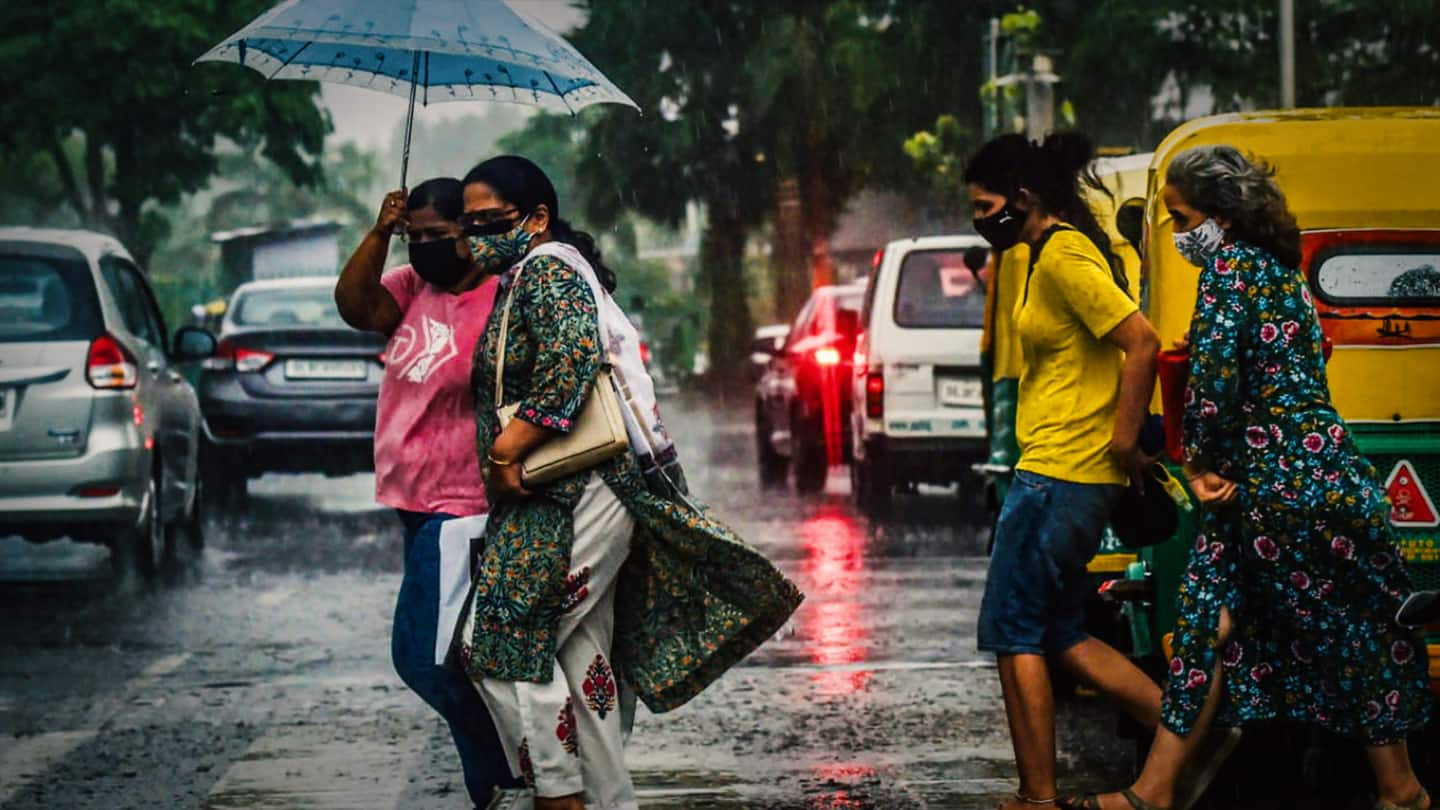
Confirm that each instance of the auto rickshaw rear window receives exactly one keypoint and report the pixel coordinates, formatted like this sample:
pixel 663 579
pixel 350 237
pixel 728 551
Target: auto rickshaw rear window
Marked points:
pixel 1380 276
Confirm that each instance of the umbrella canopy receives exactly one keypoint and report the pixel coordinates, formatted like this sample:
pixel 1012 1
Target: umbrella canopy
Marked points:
pixel 438 50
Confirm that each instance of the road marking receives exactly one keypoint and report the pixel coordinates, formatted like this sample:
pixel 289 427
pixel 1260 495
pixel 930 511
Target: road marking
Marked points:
pixel 25 758
pixel 161 668
pixel 276 597
pixel 318 768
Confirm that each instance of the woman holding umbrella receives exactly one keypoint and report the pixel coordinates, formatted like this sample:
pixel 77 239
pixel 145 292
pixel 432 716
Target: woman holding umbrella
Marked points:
pixel 433 310
pixel 605 580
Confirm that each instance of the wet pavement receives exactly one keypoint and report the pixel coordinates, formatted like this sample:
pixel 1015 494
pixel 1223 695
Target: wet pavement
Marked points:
pixel 257 673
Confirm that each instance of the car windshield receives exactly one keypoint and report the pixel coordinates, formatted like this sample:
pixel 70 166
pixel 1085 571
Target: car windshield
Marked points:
pixel 294 307
pixel 937 291
pixel 46 299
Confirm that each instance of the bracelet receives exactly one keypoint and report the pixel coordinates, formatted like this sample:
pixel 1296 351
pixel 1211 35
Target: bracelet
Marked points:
pixel 495 462
pixel 1027 800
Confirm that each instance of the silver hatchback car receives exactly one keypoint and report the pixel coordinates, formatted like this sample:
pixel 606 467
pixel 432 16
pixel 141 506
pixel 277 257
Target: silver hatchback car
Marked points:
pixel 98 428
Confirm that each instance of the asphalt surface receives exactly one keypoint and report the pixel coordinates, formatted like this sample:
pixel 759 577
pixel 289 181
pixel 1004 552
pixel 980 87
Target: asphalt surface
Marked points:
pixel 257 674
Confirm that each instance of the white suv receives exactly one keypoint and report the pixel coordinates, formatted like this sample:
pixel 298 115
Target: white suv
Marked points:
pixel 918 411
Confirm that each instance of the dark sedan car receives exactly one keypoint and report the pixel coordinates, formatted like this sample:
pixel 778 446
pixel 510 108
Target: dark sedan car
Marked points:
pixel 291 387
pixel 802 402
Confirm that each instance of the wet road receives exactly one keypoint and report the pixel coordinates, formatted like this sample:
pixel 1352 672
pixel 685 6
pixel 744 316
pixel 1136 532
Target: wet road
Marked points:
pixel 258 675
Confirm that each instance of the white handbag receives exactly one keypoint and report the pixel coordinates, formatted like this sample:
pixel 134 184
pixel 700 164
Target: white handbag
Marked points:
pixel 597 436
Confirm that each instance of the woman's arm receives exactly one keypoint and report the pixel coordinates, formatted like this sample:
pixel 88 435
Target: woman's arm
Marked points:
pixel 1137 339
pixel 560 316
pixel 363 301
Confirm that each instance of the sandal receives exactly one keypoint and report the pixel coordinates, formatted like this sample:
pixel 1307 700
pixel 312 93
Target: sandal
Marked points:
pixel 1091 801
pixel 1421 800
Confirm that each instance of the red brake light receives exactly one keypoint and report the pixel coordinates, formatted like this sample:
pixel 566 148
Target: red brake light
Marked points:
pixel 228 356
pixel 645 353
pixel 828 356
pixel 877 258
pixel 109 364
pixel 875 395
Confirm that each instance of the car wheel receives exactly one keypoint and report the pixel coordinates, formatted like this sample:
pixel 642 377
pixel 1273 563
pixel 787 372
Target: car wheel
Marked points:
pixel 870 487
pixel 221 480
pixel 772 466
pixel 192 524
pixel 141 548
pixel 810 461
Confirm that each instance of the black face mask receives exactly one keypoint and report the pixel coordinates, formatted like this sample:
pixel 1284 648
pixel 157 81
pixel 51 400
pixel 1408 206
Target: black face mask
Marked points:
pixel 437 263
pixel 1002 228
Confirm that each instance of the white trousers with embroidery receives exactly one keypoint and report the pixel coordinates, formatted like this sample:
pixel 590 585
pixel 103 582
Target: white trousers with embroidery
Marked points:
pixel 566 736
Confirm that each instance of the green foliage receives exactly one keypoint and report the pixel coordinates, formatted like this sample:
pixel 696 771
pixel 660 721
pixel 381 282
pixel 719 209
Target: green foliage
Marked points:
pixel 105 92
pixel 939 156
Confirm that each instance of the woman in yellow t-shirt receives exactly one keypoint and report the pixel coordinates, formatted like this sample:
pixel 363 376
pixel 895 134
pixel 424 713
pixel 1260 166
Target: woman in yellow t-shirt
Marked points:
pixel 1089 368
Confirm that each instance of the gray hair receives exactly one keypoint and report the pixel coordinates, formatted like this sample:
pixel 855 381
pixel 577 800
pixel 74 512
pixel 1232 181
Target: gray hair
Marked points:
pixel 1219 181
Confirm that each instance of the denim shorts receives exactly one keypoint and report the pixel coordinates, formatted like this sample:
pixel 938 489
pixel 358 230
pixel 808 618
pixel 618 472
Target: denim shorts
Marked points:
pixel 1036 588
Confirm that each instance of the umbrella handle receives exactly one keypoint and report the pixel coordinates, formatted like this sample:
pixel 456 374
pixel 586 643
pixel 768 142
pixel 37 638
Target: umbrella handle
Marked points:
pixel 410 119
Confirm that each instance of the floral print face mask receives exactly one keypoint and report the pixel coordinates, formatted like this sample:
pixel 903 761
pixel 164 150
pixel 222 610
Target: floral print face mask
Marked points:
pixel 1199 244
pixel 495 253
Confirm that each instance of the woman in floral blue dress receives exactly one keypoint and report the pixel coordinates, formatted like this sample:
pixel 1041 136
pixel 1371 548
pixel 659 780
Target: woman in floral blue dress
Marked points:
pixel 1286 608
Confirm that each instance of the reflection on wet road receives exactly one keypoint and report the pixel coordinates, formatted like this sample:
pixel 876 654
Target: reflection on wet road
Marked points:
pixel 257 674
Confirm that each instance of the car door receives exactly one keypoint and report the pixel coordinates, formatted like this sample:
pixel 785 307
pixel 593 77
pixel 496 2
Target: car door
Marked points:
pixel 169 410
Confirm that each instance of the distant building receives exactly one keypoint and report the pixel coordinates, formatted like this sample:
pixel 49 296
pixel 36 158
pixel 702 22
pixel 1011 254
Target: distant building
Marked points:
pixel 302 248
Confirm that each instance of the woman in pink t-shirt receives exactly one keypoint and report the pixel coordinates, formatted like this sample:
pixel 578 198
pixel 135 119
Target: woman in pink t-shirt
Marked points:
pixel 433 310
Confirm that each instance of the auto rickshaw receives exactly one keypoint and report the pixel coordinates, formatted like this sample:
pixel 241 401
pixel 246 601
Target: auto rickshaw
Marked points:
pixel 1364 186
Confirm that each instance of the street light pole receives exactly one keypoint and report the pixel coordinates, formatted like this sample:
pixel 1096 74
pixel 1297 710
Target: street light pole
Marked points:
pixel 1287 53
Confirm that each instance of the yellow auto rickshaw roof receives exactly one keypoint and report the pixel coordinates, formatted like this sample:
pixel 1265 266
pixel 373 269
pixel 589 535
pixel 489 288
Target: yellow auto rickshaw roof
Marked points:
pixel 1339 166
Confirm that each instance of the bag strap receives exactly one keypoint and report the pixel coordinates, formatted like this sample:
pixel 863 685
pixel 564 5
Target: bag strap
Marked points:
pixel 504 339
pixel 1035 254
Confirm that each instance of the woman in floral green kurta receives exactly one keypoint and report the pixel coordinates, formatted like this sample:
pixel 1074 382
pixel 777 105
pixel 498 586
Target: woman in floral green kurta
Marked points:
pixel 691 599
pixel 696 599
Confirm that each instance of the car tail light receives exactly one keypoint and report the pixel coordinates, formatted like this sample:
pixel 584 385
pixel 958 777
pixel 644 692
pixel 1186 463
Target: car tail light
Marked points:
pixel 828 356
pixel 229 356
pixel 875 395
pixel 877 258
pixel 110 365
pixel 645 353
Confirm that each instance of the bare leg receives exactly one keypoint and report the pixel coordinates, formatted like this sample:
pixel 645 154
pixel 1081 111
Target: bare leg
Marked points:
pixel 1170 751
pixel 1103 667
pixel 1030 710
pixel 1393 773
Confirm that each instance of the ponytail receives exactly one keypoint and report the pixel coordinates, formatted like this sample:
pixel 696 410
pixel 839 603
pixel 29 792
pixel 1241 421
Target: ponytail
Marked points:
pixel 1054 171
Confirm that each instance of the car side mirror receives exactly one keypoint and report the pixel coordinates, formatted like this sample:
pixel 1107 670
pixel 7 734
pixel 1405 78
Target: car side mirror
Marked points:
pixel 1130 221
pixel 193 343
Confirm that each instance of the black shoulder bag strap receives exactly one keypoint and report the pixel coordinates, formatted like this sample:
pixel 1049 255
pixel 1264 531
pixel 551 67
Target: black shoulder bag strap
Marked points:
pixel 1035 255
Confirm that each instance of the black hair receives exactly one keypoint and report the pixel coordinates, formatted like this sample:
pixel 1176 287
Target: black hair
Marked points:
pixel 445 194
pixel 523 184
pixel 1053 171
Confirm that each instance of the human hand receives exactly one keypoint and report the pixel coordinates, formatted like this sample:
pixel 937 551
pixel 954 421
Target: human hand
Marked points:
pixel 1135 463
pixel 1211 490
pixel 504 482
pixel 1182 344
pixel 392 213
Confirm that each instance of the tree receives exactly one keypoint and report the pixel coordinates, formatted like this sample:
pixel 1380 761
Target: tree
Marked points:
pixel 106 93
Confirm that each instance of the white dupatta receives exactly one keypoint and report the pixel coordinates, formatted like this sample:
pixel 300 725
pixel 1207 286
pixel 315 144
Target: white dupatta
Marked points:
pixel 621 342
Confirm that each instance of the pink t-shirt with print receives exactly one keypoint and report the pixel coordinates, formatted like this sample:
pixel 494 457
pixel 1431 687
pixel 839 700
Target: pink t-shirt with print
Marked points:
pixel 425 458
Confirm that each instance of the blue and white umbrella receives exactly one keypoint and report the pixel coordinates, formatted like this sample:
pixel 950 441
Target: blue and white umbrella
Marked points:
pixel 433 50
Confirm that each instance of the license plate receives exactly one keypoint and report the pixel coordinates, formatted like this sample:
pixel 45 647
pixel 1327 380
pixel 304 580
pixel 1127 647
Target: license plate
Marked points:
pixel 961 392
pixel 7 408
pixel 325 369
